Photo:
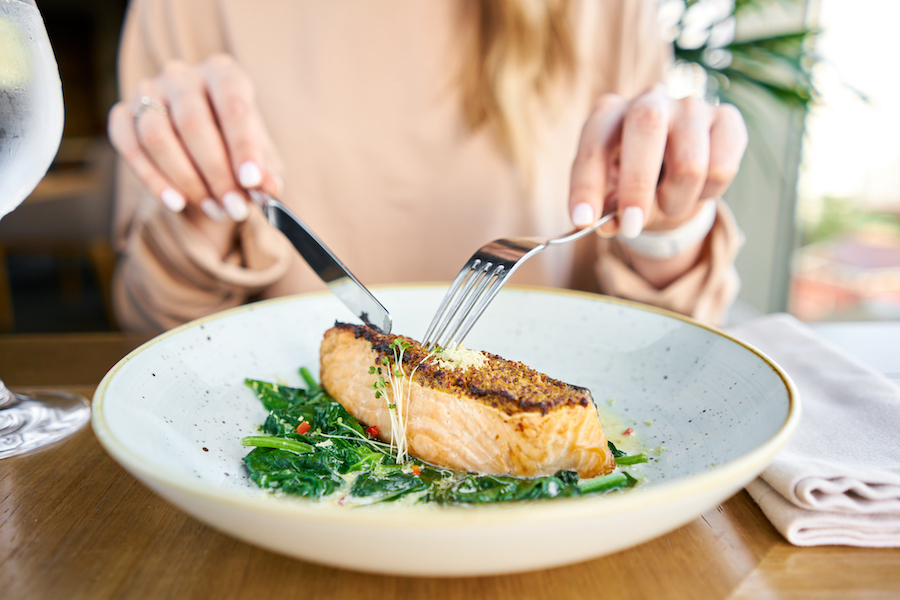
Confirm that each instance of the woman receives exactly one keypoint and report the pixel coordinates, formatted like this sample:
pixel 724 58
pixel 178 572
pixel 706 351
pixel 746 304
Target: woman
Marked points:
pixel 407 134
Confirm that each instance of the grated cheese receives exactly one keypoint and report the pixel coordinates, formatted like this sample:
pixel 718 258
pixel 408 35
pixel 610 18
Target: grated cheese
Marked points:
pixel 458 357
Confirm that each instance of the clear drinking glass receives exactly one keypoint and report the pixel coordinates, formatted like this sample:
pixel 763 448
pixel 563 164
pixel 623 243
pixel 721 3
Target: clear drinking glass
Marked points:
pixel 31 124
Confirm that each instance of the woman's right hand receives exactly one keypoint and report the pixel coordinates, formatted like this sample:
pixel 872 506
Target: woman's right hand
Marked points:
pixel 194 137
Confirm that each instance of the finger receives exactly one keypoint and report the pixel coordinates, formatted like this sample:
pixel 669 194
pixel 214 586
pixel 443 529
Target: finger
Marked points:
pixel 123 138
pixel 644 133
pixel 588 182
pixel 273 185
pixel 686 157
pixel 196 127
pixel 231 95
pixel 162 145
pixel 272 182
pixel 728 141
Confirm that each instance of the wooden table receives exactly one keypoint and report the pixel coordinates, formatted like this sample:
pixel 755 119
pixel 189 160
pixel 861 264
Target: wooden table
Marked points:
pixel 73 524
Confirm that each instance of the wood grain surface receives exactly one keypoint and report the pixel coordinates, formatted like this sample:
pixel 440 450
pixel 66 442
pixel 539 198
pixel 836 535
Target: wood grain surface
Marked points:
pixel 73 524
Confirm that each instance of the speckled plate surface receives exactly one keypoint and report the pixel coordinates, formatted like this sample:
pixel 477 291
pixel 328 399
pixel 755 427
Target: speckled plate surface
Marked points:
pixel 173 411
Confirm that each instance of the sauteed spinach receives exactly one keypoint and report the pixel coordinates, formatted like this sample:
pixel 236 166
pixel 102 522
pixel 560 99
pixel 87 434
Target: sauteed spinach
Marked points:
pixel 313 447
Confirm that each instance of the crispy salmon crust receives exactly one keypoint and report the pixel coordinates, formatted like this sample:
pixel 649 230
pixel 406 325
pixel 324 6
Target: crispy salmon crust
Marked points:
pixel 502 418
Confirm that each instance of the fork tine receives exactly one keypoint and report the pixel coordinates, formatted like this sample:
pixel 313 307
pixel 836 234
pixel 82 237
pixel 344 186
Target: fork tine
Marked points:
pixel 459 291
pixel 485 277
pixel 474 312
pixel 464 273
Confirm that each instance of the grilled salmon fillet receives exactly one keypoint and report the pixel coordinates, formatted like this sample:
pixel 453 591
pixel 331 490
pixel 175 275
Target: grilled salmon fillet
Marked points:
pixel 499 418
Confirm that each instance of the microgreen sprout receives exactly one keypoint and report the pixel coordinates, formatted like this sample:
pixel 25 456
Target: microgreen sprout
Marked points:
pixel 396 390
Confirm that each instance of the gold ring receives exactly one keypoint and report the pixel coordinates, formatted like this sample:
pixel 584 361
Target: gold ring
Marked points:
pixel 148 103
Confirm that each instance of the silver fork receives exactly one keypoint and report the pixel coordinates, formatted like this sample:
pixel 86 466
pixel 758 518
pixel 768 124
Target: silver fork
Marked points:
pixel 482 277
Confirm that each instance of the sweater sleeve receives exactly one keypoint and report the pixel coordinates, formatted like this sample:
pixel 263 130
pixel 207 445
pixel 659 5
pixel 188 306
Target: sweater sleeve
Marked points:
pixel 705 292
pixel 167 272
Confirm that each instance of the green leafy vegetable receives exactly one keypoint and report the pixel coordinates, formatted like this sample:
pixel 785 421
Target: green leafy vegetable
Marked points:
pixel 333 455
pixel 625 459
pixel 277 442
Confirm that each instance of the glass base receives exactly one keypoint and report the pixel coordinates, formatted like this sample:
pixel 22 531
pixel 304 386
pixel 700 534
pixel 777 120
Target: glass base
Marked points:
pixel 28 423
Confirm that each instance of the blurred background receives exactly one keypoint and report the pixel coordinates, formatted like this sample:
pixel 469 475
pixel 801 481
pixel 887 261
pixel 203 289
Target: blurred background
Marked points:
pixel 818 196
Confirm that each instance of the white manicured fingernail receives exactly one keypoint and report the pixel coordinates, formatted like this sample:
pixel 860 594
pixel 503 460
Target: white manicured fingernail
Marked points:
pixel 173 200
pixel 213 210
pixel 583 214
pixel 249 174
pixel 235 206
pixel 631 223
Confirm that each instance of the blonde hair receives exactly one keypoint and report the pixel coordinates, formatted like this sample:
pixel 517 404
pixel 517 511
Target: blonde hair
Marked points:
pixel 521 52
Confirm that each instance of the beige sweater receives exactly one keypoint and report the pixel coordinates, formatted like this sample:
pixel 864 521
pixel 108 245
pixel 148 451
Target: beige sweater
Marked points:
pixel 360 99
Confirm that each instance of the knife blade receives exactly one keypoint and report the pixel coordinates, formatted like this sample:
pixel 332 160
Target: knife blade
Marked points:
pixel 326 265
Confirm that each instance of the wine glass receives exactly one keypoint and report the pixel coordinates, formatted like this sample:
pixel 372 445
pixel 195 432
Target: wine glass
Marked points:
pixel 31 124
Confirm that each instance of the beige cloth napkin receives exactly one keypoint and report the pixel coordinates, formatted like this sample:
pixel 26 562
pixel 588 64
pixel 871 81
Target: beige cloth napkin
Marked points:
pixel 837 482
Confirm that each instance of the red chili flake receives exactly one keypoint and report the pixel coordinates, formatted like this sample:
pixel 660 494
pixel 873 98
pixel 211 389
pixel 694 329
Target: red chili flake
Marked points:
pixel 342 500
pixel 303 427
pixel 373 430
pixel 416 470
pixel 628 431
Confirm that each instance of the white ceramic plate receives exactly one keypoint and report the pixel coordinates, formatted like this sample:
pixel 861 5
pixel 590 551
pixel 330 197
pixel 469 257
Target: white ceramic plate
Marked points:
pixel 173 412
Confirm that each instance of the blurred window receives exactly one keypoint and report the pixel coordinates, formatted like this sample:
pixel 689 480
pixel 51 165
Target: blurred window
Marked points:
pixel 848 264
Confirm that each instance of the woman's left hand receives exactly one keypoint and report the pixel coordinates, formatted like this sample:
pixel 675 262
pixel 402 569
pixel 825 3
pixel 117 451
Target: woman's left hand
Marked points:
pixel 657 158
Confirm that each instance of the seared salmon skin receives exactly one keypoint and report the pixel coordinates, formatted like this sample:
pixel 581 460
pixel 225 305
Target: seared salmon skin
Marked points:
pixel 499 417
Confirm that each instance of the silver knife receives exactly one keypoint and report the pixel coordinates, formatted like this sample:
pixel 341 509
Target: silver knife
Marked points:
pixel 327 266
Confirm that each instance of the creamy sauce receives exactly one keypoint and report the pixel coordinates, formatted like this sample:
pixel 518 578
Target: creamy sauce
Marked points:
pixel 615 426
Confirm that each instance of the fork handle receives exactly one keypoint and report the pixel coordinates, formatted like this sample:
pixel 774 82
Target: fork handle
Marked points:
pixel 580 233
